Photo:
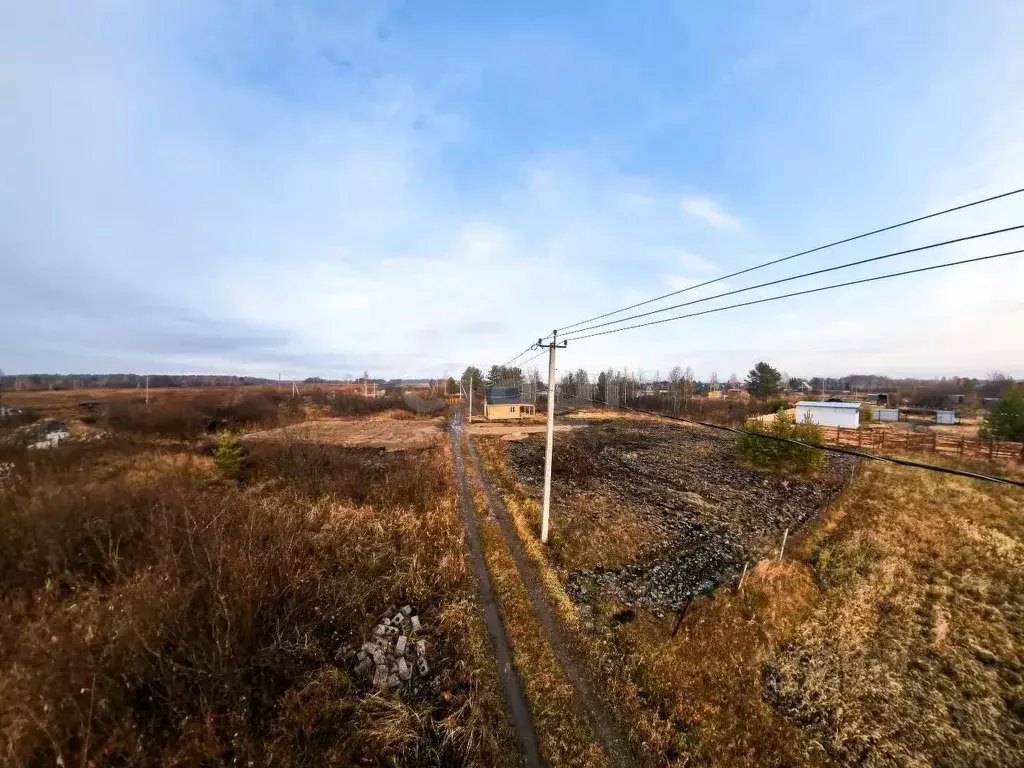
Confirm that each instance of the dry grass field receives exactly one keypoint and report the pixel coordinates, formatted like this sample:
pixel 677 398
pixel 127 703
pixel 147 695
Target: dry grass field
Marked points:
pixel 156 612
pixel 890 634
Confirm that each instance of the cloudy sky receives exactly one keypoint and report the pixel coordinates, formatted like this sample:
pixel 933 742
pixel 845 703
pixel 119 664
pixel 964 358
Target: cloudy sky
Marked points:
pixel 319 188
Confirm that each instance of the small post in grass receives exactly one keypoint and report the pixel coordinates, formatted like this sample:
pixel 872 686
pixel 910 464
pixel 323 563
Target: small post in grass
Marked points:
pixel 682 615
pixel 782 549
pixel 743 575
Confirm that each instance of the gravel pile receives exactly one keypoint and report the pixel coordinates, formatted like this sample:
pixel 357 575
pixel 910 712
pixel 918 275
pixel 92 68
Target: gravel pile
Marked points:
pixel 395 656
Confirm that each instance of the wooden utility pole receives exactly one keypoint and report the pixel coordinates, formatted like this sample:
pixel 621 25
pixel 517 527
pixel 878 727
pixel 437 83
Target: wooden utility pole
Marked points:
pixel 549 449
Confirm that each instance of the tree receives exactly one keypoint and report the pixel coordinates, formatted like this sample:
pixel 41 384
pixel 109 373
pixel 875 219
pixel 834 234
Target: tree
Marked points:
pixel 734 381
pixel 795 383
pixel 674 377
pixel 499 376
pixel 471 375
pixel 763 380
pixel 1006 419
pixel 713 381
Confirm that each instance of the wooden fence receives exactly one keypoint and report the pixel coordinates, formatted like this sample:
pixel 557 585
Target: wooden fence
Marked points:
pixel 882 439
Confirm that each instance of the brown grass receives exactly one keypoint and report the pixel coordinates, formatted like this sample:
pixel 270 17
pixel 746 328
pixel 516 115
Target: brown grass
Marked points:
pixel 566 738
pixel 153 613
pixel 891 635
pixel 914 653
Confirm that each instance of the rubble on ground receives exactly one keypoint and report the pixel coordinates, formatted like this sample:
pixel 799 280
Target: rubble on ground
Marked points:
pixel 395 656
pixel 711 513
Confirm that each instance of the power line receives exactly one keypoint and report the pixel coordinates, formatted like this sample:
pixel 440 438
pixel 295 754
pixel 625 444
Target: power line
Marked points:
pixel 795 255
pixel 798 293
pixel 512 360
pixel 805 274
pixel 822 447
pixel 539 354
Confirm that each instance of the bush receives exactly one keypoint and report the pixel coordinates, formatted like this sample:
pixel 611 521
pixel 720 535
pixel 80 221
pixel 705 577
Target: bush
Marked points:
pixel 867 413
pixel 357 405
pixel 227 456
pixel 1006 419
pixel 782 456
pixel 156 618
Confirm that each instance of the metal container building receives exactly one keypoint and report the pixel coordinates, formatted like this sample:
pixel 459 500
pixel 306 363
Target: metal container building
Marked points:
pixel 945 417
pixel 829 414
pixel 887 414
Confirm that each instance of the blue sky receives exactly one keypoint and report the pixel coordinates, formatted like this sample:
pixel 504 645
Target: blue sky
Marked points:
pixel 319 188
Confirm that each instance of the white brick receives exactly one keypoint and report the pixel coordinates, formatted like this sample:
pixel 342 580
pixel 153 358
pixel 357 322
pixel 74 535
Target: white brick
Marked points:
pixel 403 670
pixel 400 645
pixel 415 623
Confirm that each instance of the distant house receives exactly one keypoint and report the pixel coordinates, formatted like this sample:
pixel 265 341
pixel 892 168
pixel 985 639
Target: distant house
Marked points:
pixel 945 417
pixel 736 393
pixel 956 399
pixel 829 414
pixel 506 403
pixel 878 398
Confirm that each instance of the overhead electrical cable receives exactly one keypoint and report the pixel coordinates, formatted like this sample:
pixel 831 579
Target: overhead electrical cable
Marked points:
pixel 847 265
pixel 833 244
pixel 799 293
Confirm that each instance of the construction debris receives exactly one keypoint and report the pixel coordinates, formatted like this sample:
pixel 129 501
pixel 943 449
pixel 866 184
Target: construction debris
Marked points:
pixel 388 658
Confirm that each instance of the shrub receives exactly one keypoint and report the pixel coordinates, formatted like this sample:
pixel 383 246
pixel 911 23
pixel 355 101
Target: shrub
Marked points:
pixel 867 413
pixel 356 405
pixel 161 619
pixel 1006 419
pixel 227 456
pixel 782 456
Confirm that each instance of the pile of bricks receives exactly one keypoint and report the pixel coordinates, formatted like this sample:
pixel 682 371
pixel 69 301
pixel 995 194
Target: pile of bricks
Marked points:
pixel 394 652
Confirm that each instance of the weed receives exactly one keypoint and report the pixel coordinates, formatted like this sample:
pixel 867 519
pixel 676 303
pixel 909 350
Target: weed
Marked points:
pixel 151 616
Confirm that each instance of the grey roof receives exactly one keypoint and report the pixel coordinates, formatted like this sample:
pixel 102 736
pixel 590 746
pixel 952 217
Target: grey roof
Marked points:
pixel 819 404
pixel 503 395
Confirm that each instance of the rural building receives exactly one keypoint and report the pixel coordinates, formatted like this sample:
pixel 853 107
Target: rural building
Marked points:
pixel 945 417
pixel 506 403
pixel 714 394
pixel 829 414
pixel 735 393
pixel 878 398
pixel 887 414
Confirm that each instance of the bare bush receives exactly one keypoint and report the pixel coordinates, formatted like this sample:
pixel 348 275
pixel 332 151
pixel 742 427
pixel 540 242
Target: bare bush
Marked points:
pixel 164 617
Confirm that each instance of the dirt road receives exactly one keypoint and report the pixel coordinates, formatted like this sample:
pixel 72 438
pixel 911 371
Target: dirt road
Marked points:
pixel 575 669
pixel 515 698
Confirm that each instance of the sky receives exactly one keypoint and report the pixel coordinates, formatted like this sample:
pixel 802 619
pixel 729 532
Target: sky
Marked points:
pixel 322 188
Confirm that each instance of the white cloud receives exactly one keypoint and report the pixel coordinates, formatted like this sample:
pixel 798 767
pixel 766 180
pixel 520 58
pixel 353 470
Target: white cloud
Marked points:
pixel 710 211
pixel 694 263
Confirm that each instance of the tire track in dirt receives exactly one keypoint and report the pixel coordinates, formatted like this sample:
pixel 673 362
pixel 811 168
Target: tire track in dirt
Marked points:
pixel 601 719
pixel 515 699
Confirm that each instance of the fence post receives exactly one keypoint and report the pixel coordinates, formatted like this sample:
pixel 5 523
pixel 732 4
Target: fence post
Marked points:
pixel 838 434
pixel 881 442
pixel 961 446
pixel 935 438
pixel 860 437
pixel 991 445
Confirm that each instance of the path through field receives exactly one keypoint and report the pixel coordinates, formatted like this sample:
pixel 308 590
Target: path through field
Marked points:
pixel 603 722
pixel 512 687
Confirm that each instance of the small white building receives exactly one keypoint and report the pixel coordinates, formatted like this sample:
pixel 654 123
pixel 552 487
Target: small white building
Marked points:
pixel 945 417
pixel 887 414
pixel 828 414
